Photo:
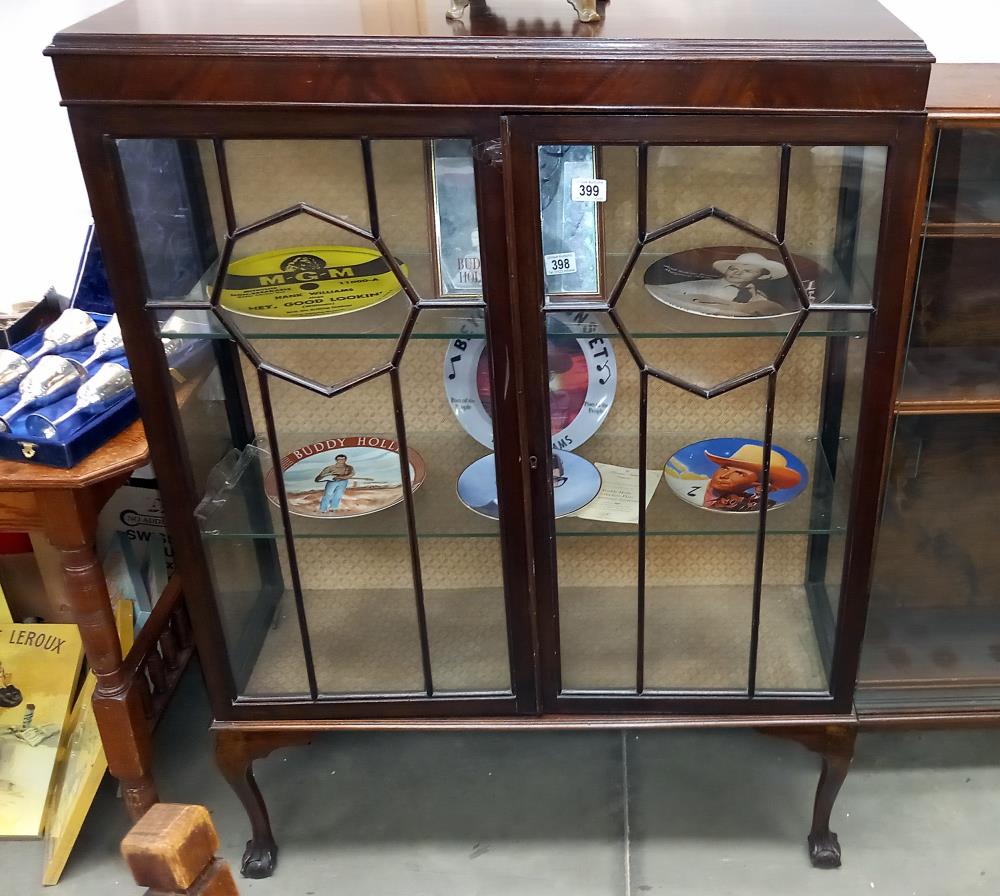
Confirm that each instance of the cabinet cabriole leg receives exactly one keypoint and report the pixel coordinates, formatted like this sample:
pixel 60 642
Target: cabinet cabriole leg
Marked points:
pixel 835 745
pixel 235 752
pixel 824 847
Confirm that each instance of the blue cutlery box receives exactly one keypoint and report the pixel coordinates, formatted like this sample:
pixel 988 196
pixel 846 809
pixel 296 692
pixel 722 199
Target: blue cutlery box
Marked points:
pixel 75 442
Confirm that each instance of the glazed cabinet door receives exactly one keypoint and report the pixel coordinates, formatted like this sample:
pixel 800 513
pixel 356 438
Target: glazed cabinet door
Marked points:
pixel 708 309
pixel 331 305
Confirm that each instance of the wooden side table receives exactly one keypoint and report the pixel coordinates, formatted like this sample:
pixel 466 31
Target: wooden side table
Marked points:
pixel 64 505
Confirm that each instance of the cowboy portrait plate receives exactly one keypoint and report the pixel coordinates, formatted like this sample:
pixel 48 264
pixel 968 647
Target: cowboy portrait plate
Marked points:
pixel 344 477
pixel 735 281
pixel 725 474
pixel 583 375
pixel 575 483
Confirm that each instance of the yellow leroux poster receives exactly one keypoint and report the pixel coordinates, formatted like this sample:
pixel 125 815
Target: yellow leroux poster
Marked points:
pixel 4 609
pixel 82 765
pixel 308 281
pixel 39 665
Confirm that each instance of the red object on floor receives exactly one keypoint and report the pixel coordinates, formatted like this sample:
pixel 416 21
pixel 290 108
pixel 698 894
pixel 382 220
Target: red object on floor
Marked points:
pixel 14 543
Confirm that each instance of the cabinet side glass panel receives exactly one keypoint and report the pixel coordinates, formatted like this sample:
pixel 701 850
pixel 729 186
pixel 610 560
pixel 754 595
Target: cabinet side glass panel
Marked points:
pixel 954 347
pixel 381 580
pixel 934 617
pixel 932 639
pixel 249 573
pixel 966 175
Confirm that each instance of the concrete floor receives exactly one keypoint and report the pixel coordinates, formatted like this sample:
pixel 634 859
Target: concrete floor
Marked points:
pixel 707 813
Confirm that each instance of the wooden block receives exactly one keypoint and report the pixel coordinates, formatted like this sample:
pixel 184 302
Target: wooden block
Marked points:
pixel 170 846
pixel 217 880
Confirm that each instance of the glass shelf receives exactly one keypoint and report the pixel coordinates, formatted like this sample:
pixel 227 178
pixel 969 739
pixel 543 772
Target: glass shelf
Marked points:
pixel 643 315
pixel 951 380
pixel 439 512
pixel 930 646
pixel 966 229
pixel 647 318
pixel 821 509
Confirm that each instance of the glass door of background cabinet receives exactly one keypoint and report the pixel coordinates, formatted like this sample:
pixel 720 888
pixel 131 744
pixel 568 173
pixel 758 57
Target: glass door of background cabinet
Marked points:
pixel 327 305
pixel 933 635
pixel 703 314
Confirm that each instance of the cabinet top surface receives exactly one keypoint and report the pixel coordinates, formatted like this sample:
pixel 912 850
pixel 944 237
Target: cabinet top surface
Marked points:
pixel 797 22
pixel 965 88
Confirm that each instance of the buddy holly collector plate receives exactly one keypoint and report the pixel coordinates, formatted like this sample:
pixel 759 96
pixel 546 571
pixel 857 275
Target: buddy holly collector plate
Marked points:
pixel 583 375
pixel 344 477
pixel 725 475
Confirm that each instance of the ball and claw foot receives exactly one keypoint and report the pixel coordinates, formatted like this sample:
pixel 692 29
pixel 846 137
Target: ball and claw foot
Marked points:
pixel 259 860
pixel 824 850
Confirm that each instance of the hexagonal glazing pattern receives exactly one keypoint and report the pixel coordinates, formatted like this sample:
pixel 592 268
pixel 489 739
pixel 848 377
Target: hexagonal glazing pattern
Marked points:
pixel 390 367
pixel 371 236
pixel 775 239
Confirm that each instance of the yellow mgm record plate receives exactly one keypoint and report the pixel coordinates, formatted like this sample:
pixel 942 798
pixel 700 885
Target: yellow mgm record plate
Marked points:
pixel 308 281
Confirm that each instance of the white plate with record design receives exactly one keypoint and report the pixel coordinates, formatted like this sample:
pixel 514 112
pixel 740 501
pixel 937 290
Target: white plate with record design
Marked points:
pixel 735 282
pixel 344 477
pixel 308 282
pixel 583 376
pixel 575 483
pixel 724 475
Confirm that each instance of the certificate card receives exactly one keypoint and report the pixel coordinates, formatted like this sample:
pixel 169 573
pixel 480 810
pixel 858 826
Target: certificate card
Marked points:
pixel 618 499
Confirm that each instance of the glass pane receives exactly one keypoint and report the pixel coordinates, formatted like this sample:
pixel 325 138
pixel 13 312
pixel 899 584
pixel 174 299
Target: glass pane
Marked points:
pixel 954 350
pixel 597 613
pixel 699 588
pixel 966 187
pixel 706 309
pixel 934 618
pixel 392 604
pixel 740 180
pixel 954 344
pixel 458 265
pixel 267 176
pixel 176 204
pixel 834 219
pixel 932 638
pixel 248 571
pixel 402 184
pixel 828 410
pixel 570 228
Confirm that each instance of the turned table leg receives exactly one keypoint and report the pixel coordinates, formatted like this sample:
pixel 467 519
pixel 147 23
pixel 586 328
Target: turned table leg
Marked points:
pixel 71 527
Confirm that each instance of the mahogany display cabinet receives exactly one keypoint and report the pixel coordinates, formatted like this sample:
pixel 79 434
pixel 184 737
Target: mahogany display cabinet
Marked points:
pixel 662 241
pixel 932 649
